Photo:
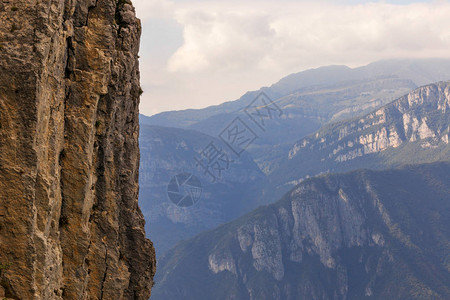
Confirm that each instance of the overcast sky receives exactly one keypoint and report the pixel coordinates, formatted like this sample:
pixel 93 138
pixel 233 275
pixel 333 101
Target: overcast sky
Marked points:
pixel 199 53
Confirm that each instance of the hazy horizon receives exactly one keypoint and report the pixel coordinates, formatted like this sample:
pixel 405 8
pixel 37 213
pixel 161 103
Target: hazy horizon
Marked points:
pixel 200 53
pixel 287 75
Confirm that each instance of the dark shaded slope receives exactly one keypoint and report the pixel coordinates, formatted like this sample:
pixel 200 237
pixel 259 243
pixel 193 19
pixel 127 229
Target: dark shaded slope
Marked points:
pixel 363 235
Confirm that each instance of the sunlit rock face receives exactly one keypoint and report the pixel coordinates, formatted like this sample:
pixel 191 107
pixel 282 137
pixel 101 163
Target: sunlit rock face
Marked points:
pixel 70 225
pixel 415 117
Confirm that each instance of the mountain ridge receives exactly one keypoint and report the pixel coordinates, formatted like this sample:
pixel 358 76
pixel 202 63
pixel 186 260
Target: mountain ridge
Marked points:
pixel 320 79
pixel 336 236
pixel 415 123
pixel 312 99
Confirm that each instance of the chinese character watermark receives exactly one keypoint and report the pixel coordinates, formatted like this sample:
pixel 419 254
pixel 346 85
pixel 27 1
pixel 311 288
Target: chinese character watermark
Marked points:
pixel 185 189
pixel 238 136
pixel 263 109
pixel 213 160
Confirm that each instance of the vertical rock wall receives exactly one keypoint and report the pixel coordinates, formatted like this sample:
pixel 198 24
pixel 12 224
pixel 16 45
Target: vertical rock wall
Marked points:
pixel 70 225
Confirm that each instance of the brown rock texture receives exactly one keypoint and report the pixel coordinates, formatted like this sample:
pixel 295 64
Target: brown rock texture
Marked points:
pixel 70 225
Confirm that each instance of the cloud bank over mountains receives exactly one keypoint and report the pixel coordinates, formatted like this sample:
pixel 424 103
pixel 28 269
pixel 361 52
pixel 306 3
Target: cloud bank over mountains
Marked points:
pixel 220 49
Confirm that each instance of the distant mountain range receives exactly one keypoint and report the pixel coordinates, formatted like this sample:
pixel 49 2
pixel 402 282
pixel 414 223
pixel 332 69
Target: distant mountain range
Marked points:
pixel 167 152
pixel 311 99
pixel 368 234
pixel 413 129
pixel 308 139
pixel 362 235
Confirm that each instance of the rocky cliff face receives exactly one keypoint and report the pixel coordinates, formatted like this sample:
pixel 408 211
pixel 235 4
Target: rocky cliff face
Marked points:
pixel 362 235
pixel 422 115
pixel 70 225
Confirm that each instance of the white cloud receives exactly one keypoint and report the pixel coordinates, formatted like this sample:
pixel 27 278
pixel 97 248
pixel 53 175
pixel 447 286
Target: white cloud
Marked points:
pixel 226 40
pixel 238 36
pixel 147 9
pixel 254 43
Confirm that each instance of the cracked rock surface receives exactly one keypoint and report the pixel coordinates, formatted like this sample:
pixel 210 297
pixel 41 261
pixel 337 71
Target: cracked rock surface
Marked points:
pixel 70 225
